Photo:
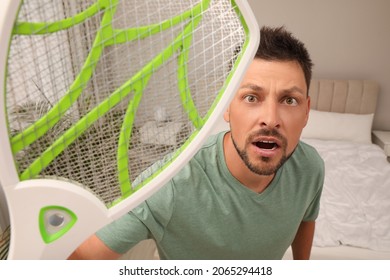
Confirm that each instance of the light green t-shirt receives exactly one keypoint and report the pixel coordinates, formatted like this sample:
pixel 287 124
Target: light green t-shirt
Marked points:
pixel 206 213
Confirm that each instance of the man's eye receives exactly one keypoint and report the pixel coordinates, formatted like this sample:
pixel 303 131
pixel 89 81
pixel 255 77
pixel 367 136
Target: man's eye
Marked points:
pixel 250 98
pixel 291 101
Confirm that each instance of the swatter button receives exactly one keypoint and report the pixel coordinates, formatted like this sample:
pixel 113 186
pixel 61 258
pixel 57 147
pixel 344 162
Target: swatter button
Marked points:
pixel 54 222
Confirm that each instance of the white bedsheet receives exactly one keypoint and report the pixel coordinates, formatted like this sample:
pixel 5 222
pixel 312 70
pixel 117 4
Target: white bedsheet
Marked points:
pixel 355 203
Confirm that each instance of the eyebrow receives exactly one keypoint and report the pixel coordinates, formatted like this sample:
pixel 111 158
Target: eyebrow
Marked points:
pixel 252 87
pixel 259 89
pixel 295 89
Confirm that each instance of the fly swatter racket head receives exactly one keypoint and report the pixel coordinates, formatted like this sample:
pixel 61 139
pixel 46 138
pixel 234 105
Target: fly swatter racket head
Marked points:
pixel 103 101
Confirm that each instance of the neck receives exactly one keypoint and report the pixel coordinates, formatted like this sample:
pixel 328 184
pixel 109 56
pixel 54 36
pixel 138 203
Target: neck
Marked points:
pixel 236 166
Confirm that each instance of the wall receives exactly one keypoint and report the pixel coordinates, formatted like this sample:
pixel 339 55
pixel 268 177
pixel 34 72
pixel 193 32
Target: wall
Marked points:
pixel 347 39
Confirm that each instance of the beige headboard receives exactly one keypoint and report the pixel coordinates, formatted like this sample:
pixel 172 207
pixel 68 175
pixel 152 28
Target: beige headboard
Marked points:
pixel 344 96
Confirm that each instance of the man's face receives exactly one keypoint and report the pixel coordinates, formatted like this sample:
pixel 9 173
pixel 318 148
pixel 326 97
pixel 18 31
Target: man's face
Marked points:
pixel 268 113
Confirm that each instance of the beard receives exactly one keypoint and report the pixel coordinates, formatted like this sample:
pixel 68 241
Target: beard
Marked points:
pixel 267 167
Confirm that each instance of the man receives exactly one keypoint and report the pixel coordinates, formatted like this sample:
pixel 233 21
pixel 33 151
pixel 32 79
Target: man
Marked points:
pixel 249 193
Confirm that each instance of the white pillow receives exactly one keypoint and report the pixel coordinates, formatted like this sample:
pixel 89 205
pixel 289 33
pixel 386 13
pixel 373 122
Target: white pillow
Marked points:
pixel 339 126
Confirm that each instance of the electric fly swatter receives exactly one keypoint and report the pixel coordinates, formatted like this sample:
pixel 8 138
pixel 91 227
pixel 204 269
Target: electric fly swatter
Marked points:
pixel 95 92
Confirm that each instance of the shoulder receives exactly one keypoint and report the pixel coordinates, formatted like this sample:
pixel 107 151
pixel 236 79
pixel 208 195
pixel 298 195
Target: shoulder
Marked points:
pixel 306 161
pixel 211 145
pixel 204 159
pixel 209 154
pixel 308 155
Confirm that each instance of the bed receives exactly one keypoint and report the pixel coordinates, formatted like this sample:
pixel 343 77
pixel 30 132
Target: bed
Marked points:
pixel 354 220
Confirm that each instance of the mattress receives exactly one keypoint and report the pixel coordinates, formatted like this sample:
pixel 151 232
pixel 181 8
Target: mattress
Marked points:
pixel 355 203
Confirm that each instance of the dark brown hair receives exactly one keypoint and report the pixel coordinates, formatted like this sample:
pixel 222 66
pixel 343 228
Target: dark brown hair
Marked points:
pixel 277 44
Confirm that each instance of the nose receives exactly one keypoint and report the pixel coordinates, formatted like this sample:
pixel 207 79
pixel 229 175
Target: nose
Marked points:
pixel 269 116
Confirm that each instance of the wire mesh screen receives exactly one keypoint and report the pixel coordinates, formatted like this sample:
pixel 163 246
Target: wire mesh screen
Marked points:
pixel 98 91
pixel 4 243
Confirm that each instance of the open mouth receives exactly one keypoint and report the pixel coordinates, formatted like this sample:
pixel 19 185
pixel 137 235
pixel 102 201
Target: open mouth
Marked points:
pixel 266 145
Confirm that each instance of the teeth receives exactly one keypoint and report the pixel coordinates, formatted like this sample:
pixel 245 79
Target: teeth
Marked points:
pixel 268 145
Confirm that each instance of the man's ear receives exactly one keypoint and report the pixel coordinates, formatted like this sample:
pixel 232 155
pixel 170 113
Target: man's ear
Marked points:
pixel 307 110
pixel 226 115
